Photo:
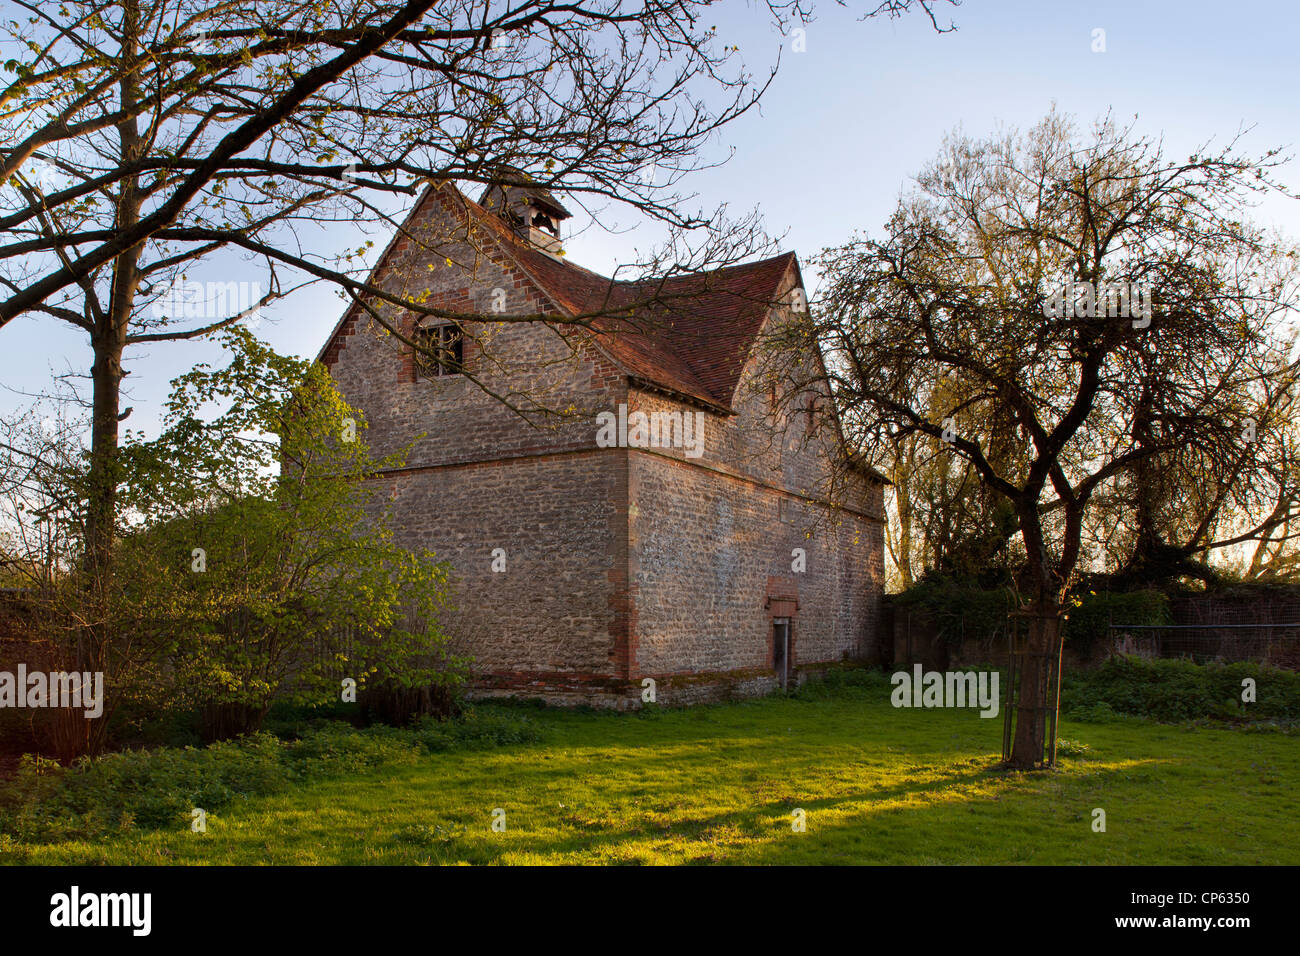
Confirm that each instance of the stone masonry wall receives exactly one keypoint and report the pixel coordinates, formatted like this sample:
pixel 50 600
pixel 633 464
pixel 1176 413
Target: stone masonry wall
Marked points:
pixel 556 518
pixel 478 477
pixel 451 419
pixel 707 551
pixel 619 563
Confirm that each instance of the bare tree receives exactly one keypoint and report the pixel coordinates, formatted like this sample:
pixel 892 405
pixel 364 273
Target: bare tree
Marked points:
pixel 149 135
pixel 1181 512
pixel 1056 309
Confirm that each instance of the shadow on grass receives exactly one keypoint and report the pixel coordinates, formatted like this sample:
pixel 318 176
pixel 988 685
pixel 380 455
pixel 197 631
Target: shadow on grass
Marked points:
pixel 629 828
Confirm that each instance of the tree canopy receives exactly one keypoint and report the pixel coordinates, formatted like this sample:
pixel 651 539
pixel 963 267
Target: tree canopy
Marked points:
pixel 1062 314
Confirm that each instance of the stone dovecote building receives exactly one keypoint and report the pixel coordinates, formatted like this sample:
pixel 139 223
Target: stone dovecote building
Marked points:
pixel 674 523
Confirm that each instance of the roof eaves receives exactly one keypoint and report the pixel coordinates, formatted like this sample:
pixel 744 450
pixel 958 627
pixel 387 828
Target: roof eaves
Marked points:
pixel 646 384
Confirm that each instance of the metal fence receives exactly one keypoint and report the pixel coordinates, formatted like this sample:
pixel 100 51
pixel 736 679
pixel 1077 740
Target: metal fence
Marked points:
pixel 1275 644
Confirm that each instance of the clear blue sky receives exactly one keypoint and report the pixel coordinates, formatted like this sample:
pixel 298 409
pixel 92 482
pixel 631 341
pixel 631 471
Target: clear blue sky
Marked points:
pixel 852 118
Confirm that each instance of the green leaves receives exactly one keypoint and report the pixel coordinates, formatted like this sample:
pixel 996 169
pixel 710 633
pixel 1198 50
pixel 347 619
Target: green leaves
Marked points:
pixel 263 468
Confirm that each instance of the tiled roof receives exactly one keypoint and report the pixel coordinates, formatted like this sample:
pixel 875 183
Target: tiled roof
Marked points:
pixel 690 333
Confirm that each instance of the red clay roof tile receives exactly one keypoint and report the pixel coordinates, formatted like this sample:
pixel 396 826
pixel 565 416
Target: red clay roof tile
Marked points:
pixel 690 333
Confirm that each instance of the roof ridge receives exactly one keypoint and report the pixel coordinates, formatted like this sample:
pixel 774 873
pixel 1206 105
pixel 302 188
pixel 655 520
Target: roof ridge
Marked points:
pixel 519 251
pixel 511 237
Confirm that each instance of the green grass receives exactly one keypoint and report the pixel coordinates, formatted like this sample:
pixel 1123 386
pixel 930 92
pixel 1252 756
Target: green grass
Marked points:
pixel 718 785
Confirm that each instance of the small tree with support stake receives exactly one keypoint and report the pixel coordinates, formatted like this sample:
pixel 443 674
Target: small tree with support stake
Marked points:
pixel 1037 723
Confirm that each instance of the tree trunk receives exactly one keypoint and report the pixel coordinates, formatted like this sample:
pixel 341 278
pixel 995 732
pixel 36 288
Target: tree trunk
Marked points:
pixel 108 342
pixel 1037 700
pixel 92 651
pixel 903 558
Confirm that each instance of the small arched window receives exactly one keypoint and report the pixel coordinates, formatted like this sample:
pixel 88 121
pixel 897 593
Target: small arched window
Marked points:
pixel 440 351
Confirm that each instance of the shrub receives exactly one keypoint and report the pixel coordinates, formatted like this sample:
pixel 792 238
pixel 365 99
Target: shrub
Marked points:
pixel 840 682
pixel 1177 690
pixel 144 789
pixel 156 789
pixel 1071 748
pixel 476 731
pixel 251 565
pixel 960 607
pixel 1098 713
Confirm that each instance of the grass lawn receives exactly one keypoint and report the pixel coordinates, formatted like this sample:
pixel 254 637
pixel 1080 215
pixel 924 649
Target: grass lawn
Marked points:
pixel 718 785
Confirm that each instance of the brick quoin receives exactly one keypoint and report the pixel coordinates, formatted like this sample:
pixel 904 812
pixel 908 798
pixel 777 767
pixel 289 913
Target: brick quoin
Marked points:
pixel 622 563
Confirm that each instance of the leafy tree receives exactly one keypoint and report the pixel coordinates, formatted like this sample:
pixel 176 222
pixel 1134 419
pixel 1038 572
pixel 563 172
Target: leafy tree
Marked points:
pixel 254 562
pixel 944 519
pixel 280 575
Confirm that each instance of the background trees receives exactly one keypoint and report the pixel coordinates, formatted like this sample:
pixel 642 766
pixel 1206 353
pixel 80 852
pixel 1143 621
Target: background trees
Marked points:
pixel 939 329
